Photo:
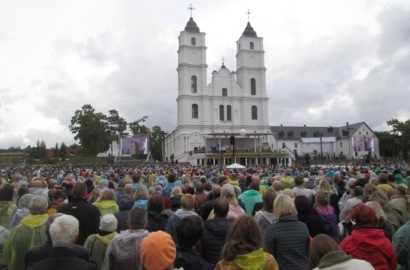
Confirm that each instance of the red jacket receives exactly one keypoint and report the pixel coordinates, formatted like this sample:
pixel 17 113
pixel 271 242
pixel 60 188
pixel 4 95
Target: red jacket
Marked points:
pixel 371 245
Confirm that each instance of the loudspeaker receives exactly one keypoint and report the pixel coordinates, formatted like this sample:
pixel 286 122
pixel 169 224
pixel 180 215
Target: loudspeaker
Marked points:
pixel 232 138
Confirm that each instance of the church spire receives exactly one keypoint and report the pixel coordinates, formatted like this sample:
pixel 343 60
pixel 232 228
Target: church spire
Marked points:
pixel 191 25
pixel 249 32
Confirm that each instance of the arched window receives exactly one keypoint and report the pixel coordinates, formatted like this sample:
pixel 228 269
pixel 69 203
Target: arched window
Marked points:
pixel 251 46
pixel 224 92
pixel 193 41
pixel 221 113
pixel 228 113
pixel 254 112
pixel 253 87
pixel 194 111
pixel 194 87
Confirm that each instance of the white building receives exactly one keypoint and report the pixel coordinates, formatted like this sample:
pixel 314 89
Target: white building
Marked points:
pixel 233 103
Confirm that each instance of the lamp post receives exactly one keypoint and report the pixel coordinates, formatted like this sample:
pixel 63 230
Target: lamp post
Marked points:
pixel 321 147
pixel 232 139
pixel 242 133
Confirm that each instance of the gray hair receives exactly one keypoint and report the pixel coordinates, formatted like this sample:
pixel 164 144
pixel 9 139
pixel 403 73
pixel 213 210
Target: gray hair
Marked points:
pixel 38 205
pixel 138 217
pixel 25 200
pixel 64 231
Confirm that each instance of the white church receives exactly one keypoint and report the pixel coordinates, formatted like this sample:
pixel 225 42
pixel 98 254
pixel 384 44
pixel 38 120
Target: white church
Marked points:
pixel 233 109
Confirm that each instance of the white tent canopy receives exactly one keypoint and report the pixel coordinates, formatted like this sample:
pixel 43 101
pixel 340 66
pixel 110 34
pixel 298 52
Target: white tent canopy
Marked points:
pixel 235 166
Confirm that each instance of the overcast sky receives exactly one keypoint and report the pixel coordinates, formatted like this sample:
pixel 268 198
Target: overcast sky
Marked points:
pixel 328 62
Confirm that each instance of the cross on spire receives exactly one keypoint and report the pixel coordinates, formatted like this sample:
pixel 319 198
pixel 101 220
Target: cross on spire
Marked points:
pixel 248 12
pixel 223 61
pixel 191 8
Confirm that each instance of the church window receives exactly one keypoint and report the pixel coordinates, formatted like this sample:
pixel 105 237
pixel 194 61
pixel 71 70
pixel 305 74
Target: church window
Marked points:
pixel 229 113
pixel 224 92
pixel 221 112
pixel 193 41
pixel 254 113
pixel 194 111
pixel 251 46
pixel 194 87
pixel 253 87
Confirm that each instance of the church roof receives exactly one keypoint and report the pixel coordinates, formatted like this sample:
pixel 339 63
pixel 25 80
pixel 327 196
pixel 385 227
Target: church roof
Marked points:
pixel 191 26
pixel 249 32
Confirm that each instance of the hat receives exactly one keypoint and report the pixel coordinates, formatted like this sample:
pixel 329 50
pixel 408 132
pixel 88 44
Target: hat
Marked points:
pixel 108 223
pixel 125 203
pixel 228 189
pixel 157 251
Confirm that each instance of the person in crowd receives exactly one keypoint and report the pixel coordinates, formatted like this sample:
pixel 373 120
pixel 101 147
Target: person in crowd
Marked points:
pixel 136 183
pixel 96 244
pixel 187 209
pixel 265 216
pixel 383 184
pixel 384 224
pixel 141 197
pixel 125 204
pixel 107 203
pixel 325 254
pixel 87 215
pixel 244 247
pixel 215 231
pixel 398 208
pixel 401 245
pixel 64 233
pixel 367 241
pixel 7 206
pixel 309 216
pixel 207 207
pixel 327 214
pixel 200 196
pixel 57 200
pixel 288 239
pixel 29 233
pixel 158 251
pixel 176 196
pixel 350 203
pixel 172 182
pixel 251 196
pixel 235 210
pixel 22 210
pixel 39 253
pixel 300 189
pixel 167 206
pixel 325 184
pixel 287 181
pixel 156 219
pixel 4 234
pixel 124 250
pixel 189 233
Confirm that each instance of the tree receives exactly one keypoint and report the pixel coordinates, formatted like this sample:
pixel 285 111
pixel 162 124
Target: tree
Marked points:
pixel 386 143
pixel 63 151
pixel 91 129
pixel 39 151
pixel 401 133
pixel 56 151
pixel 137 127
pixel 156 142
pixel 116 124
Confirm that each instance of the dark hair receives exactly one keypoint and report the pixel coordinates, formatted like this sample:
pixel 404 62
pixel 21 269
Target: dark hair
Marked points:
pixel 59 194
pixel 299 180
pixel 244 236
pixel 321 245
pixel 171 178
pixel 79 190
pixel 189 230
pixel 199 187
pixel 6 193
pixel 248 180
pixel 156 203
pixel 302 204
pixel 138 218
pixel 221 207
pixel 268 199
pixel 358 191
pixel 136 178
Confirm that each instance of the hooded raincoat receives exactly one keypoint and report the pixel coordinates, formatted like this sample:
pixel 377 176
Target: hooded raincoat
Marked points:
pixel 107 207
pixel 96 245
pixel 7 210
pixel 255 260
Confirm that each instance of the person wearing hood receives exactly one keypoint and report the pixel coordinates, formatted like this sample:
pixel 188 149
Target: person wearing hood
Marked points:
pixel 327 214
pixel 265 216
pixel 187 209
pixel 244 248
pixel 156 219
pixel 367 242
pixel 124 250
pixel 96 244
pixel 107 203
pixel 251 196
pixel 29 233
pixel 125 204
pixel 7 206
pixel 215 231
pixel 22 210
pixel 176 196
pixel 325 254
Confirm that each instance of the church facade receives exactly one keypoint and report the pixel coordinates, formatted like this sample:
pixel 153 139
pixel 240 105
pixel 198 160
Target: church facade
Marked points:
pixel 234 103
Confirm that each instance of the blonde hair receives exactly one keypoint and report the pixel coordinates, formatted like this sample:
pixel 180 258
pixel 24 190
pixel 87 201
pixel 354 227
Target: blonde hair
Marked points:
pixel 187 202
pixel 284 206
pixel 380 214
pixel 107 194
pixel 140 194
pixel 176 191
pixel 325 185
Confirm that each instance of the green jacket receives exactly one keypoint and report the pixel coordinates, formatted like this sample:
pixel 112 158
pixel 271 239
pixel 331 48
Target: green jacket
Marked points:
pixel 7 209
pixel 97 245
pixel 29 233
pixel 107 207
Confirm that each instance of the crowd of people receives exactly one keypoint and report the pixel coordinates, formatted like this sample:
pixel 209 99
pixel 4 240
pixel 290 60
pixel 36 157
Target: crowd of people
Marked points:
pixel 175 216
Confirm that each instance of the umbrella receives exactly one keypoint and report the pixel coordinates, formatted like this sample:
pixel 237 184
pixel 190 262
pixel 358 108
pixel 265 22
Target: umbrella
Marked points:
pixel 235 166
